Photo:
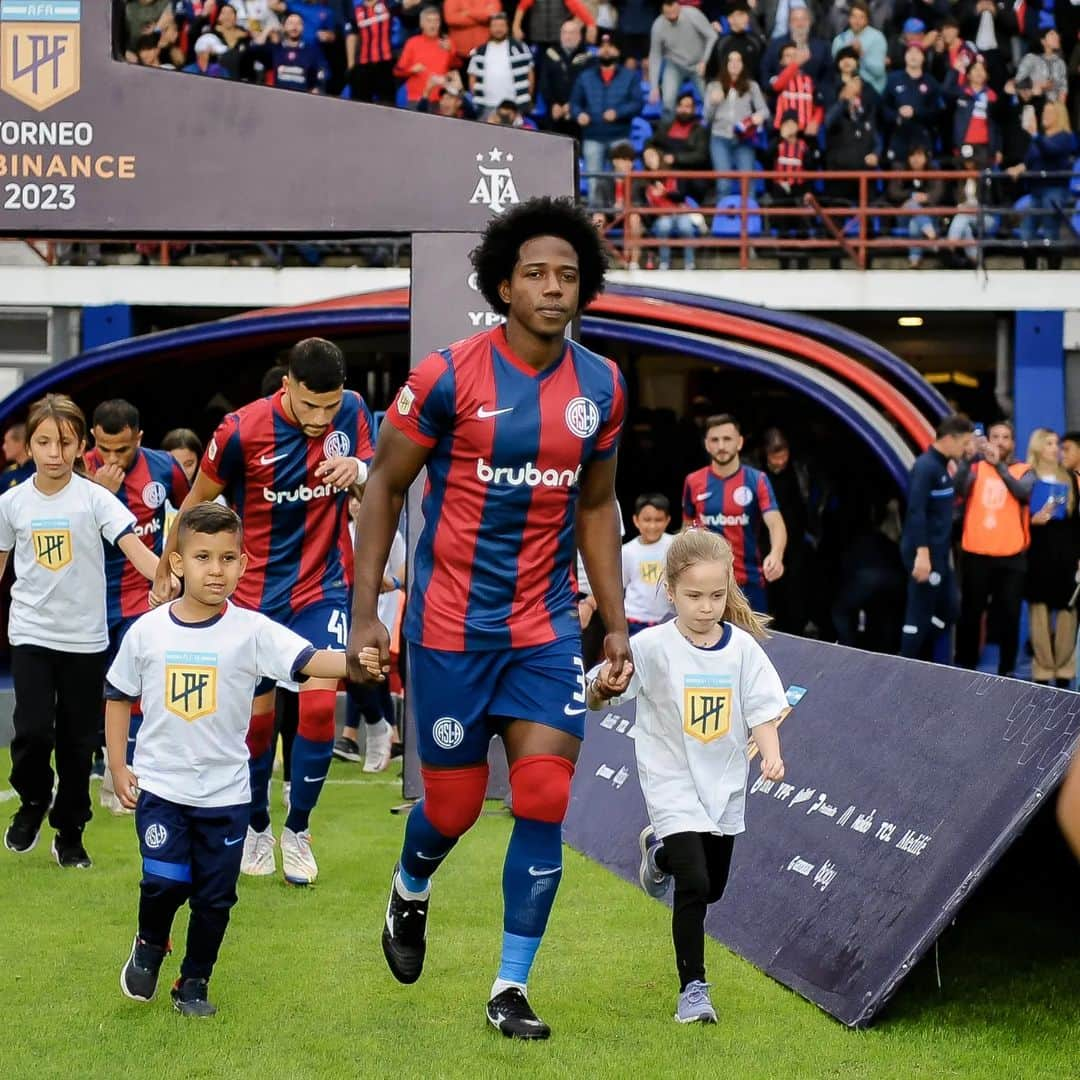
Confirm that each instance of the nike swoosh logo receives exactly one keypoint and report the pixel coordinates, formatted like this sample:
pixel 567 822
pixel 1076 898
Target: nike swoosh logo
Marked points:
pixel 264 460
pixel 702 498
pixel 233 843
pixel 536 871
pixel 428 858
pixel 572 712
pixel 314 779
pixel 486 414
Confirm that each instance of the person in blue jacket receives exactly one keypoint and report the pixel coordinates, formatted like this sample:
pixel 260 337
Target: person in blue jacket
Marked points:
pixel 606 98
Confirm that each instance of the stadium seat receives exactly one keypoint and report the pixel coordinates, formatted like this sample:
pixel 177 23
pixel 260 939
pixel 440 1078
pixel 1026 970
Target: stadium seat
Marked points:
pixel 402 99
pixel 1074 184
pixel 641 132
pixel 729 224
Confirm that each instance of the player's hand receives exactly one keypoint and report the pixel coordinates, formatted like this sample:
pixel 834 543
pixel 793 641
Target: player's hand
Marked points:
pixel 921 570
pixel 126 785
pixel 772 567
pixel 110 477
pixel 341 472
pixel 363 638
pixel 772 768
pixel 617 653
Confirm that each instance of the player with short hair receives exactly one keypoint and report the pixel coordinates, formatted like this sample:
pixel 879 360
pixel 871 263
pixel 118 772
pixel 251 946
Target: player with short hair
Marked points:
pixel 194 664
pixel 286 463
pixel 146 482
pixel 20 464
pixel 646 600
pixel 518 428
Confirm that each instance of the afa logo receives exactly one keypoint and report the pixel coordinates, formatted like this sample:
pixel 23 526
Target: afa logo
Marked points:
pixel 495 189
pixel 52 543
pixel 191 685
pixel 39 50
pixel 706 707
pixel 336 444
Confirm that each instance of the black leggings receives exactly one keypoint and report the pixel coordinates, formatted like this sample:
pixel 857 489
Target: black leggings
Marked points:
pixel 699 862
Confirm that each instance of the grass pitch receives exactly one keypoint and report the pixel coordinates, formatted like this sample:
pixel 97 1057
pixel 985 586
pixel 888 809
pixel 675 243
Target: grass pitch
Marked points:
pixel 303 990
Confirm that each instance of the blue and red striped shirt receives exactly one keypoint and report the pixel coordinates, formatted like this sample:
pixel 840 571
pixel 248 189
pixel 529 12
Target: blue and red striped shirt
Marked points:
pixel 734 507
pixel 508 448
pixel 153 479
pixel 296 527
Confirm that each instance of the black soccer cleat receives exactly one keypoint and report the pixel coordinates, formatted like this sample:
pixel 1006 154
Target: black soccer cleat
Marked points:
pixel 510 1013
pixel 22 834
pixel 189 998
pixel 69 853
pixel 139 976
pixel 404 936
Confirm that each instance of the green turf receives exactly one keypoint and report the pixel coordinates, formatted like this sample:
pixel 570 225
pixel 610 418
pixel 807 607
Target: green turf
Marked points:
pixel 303 990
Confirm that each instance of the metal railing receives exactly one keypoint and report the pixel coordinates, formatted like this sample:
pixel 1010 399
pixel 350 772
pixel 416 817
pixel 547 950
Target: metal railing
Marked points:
pixel 846 213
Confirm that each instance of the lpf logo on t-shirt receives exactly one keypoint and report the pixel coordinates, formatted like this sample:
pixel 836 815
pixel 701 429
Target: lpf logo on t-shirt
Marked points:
pixel 650 572
pixel 191 684
pixel 706 706
pixel 52 542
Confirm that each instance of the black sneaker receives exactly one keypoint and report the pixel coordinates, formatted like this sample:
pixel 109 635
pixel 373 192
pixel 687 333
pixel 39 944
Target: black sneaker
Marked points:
pixel 139 976
pixel 347 749
pixel 404 935
pixel 189 998
pixel 69 853
pixel 25 828
pixel 510 1013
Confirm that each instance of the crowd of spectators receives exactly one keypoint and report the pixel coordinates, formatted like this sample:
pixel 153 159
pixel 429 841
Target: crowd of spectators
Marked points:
pixel 791 86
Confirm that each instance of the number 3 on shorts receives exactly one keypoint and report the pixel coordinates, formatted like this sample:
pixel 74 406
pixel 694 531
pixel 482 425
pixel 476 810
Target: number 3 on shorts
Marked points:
pixel 338 627
pixel 579 696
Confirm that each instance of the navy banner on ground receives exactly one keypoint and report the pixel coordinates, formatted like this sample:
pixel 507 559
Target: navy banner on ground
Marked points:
pixel 905 783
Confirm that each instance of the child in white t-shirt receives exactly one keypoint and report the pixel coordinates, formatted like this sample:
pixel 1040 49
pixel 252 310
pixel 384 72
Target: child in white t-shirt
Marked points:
pixel 194 663
pixel 644 597
pixel 55 523
pixel 703 685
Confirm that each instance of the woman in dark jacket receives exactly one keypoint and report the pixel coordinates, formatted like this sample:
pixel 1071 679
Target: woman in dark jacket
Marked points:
pixel 1054 151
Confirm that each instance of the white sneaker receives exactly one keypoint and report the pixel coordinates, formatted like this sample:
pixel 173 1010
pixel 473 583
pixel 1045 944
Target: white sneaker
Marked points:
pixel 286 795
pixel 109 799
pixel 297 862
pixel 377 747
pixel 258 860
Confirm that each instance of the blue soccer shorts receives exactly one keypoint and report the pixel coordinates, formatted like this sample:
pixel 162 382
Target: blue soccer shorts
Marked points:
pixel 459 698
pixel 325 625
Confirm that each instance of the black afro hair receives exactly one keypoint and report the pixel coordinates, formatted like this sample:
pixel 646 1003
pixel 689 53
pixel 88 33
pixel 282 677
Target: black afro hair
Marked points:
pixel 494 260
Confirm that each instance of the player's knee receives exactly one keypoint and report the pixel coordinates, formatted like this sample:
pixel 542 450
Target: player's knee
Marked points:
pixel 260 733
pixel 453 798
pixel 317 715
pixel 692 882
pixel 540 787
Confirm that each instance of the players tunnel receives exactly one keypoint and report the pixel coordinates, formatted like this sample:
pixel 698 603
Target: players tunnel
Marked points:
pixel 857 412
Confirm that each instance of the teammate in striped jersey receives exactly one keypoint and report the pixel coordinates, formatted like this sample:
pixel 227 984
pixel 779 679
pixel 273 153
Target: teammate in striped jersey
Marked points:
pixel 286 464
pixel 146 482
pixel 518 428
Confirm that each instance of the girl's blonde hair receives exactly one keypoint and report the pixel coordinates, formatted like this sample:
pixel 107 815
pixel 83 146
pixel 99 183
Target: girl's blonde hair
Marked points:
pixel 699 545
pixel 1060 113
pixel 1036 443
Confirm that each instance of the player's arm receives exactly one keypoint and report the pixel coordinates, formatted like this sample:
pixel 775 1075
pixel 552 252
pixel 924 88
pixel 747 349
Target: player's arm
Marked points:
pixel 139 555
pixel 773 565
pixel 600 545
pixel 205 489
pixel 117 723
pixel 1068 807
pixel 398 461
pixel 4 555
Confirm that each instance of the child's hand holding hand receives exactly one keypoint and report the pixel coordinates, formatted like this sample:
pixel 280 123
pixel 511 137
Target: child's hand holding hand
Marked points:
pixel 369 659
pixel 126 786
pixel 772 767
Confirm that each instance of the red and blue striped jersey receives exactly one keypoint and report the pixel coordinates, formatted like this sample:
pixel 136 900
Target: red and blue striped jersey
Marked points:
pixel 508 447
pixel 296 527
pixel 733 507
pixel 153 479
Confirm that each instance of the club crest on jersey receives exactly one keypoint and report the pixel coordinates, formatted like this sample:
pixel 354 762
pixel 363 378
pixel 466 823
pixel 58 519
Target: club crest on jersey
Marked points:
pixel 706 706
pixel 448 732
pixel 155 836
pixel 495 189
pixel 651 571
pixel 405 401
pixel 154 494
pixel 52 542
pixel 336 444
pixel 582 417
pixel 743 496
pixel 190 684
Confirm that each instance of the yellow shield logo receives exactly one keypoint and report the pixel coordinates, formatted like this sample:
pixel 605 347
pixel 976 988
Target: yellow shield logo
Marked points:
pixel 52 546
pixel 706 707
pixel 650 572
pixel 39 50
pixel 190 690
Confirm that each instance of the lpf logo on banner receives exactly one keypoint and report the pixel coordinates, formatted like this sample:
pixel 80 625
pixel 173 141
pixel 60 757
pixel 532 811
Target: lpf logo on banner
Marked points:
pixel 39 50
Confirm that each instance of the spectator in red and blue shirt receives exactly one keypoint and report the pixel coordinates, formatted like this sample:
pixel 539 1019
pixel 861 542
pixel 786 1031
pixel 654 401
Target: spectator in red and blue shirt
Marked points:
pixel 735 500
